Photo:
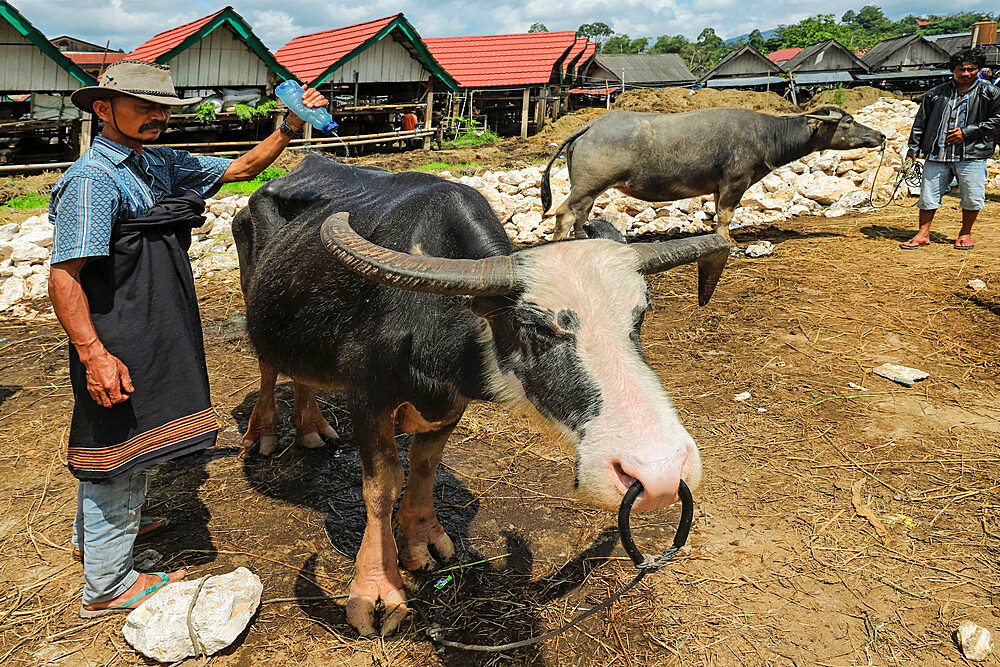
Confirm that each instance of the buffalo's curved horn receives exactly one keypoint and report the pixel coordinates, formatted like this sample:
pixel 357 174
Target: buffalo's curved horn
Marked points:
pixel 472 277
pixel 711 251
pixel 826 115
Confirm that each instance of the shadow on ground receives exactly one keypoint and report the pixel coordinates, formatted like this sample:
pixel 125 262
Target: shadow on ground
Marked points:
pixel 489 603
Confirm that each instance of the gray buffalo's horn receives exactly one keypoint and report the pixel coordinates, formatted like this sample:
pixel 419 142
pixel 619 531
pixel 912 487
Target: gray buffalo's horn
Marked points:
pixel 711 251
pixel 827 115
pixel 472 277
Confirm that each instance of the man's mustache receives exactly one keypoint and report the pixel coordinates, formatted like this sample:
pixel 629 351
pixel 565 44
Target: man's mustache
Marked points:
pixel 152 125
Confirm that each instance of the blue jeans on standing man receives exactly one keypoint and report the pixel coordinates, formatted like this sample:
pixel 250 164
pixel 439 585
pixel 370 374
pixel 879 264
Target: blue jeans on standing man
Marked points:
pixel 936 182
pixel 107 523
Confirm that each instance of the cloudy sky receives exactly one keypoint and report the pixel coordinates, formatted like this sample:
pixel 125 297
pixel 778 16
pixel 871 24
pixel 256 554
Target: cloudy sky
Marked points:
pixel 128 24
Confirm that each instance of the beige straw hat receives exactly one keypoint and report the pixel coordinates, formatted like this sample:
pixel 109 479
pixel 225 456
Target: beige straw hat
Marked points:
pixel 136 78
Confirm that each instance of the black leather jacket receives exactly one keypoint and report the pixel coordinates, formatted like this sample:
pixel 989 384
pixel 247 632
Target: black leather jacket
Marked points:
pixel 981 122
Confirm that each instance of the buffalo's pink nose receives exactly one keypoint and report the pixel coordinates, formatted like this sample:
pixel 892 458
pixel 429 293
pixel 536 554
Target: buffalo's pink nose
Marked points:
pixel 659 484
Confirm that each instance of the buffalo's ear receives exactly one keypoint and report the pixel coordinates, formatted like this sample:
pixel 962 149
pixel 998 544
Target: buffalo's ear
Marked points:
pixel 486 306
pixel 599 228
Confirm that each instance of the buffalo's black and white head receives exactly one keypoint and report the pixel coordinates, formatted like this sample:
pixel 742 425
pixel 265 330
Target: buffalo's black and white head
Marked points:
pixel 561 333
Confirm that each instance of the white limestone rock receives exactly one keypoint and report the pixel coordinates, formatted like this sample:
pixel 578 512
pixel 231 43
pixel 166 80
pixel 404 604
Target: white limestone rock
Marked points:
pixel 827 189
pixel 976 642
pixel 12 290
pixel 8 231
pixel 158 628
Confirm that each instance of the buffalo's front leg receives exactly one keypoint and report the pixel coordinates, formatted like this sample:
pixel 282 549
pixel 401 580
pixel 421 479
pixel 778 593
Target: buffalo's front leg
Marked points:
pixel 263 426
pixel 310 424
pixel 376 572
pixel 419 528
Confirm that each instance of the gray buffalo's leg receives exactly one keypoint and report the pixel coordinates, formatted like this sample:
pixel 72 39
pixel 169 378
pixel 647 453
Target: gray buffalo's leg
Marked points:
pixel 263 426
pixel 310 424
pixel 581 213
pixel 376 571
pixel 726 201
pixel 419 527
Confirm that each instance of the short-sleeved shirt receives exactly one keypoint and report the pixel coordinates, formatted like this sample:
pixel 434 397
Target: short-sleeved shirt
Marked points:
pixel 409 122
pixel 111 182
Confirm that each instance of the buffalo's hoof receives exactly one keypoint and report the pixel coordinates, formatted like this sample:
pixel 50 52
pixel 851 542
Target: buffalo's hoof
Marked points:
pixel 362 604
pixel 415 553
pixel 318 439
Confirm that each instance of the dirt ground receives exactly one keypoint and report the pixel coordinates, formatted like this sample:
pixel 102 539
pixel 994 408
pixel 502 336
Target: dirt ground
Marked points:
pixel 784 568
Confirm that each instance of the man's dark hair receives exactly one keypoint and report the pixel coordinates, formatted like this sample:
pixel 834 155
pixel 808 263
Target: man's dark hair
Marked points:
pixel 967 55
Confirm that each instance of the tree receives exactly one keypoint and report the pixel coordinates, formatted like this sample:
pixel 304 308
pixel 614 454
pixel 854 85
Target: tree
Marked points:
pixel 871 19
pixel 756 40
pixel 596 32
pixel 624 44
pixel 708 39
pixel 665 44
pixel 812 30
pixel 849 17
pixel 538 27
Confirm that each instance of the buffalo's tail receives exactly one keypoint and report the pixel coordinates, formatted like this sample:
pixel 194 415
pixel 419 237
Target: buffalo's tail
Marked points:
pixel 546 188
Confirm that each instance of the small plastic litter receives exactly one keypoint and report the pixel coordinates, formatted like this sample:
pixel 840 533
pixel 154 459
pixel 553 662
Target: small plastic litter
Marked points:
pixel 899 519
pixel 977 284
pixel 147 560
pixel 762 249
pixel 31 452
pixel 742 397
pixel 976 642
pixel 442 582
pixel 901 374
pixel 761 409
pixel 854 385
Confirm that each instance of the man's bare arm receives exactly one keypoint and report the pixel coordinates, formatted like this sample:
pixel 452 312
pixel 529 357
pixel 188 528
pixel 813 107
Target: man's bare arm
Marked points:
pixel 248 165
pixel 108 380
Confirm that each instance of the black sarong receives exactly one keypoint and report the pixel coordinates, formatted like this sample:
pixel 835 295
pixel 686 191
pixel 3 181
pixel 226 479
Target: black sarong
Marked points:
pixel 144 308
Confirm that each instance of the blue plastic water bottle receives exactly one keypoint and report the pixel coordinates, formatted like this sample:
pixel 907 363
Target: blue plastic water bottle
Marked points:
pixel 290 92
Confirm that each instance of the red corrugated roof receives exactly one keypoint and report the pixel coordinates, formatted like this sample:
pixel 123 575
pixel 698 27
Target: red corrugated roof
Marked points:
pixel 94 57
pixel 781 55
pixel 578 46
pixel 308 56
pixel 501 60
pixel 159 44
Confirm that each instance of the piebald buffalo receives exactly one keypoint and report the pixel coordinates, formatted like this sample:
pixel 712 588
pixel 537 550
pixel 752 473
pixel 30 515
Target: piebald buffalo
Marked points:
pixel 402 291
pixel 664 157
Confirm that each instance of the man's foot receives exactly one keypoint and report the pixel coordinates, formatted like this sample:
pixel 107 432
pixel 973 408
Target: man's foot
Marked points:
pixel 147 526
pixel 964 244
pixel 913 244
pixel 143 588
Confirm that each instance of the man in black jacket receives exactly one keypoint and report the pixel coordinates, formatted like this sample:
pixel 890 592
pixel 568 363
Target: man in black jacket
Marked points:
pixel 954 130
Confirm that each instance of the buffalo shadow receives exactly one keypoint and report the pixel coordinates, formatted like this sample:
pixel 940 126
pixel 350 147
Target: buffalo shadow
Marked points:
pixel 475 606
pixel 988 305
pixel 7 391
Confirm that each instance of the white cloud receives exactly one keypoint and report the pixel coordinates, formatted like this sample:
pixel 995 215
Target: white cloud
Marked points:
pixel 128 24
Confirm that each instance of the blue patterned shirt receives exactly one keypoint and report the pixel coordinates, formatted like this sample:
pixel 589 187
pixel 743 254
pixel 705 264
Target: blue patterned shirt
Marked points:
pixel 955 114
pixel 111 182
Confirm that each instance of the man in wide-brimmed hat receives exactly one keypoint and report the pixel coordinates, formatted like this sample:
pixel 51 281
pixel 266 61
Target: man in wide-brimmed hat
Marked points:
pixel 122 287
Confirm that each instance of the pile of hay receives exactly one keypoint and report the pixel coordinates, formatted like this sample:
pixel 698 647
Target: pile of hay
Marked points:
pixel 848 99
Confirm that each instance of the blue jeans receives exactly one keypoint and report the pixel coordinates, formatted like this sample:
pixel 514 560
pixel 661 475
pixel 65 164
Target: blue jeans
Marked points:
pixel 107 523
pixel 971 175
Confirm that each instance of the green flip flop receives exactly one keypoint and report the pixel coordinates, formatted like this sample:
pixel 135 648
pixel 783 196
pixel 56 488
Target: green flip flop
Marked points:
pixel 126 607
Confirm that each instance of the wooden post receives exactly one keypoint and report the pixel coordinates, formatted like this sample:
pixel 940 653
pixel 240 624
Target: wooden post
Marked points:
pixel 357 75
pixel 86 131
pixel 307 134
pixel 556 103
pixel 525 105
pixel 541 107
pixel 429 113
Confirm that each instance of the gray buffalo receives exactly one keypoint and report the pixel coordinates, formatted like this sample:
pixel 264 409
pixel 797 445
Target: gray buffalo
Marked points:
pixel 665 157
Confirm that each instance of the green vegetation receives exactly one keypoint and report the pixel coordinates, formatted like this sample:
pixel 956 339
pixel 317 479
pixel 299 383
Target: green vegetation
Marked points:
pixel 26 201
pixel 473 134
pixel 246 112
pixel 248 187
pixel 839 94
pixel 205 112
pixel 858 30
pixel 435 166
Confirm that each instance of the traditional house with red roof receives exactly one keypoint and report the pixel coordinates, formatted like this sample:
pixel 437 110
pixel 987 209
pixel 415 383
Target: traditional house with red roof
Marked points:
pixel 373 71
pixel 216 51
pixel 489 68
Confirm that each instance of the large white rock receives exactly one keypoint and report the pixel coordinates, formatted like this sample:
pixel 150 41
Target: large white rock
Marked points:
pixel 158 628
pixel 37 236
pixel 8 231
pixel 827 189
pixel 976 642
pixel 11 291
